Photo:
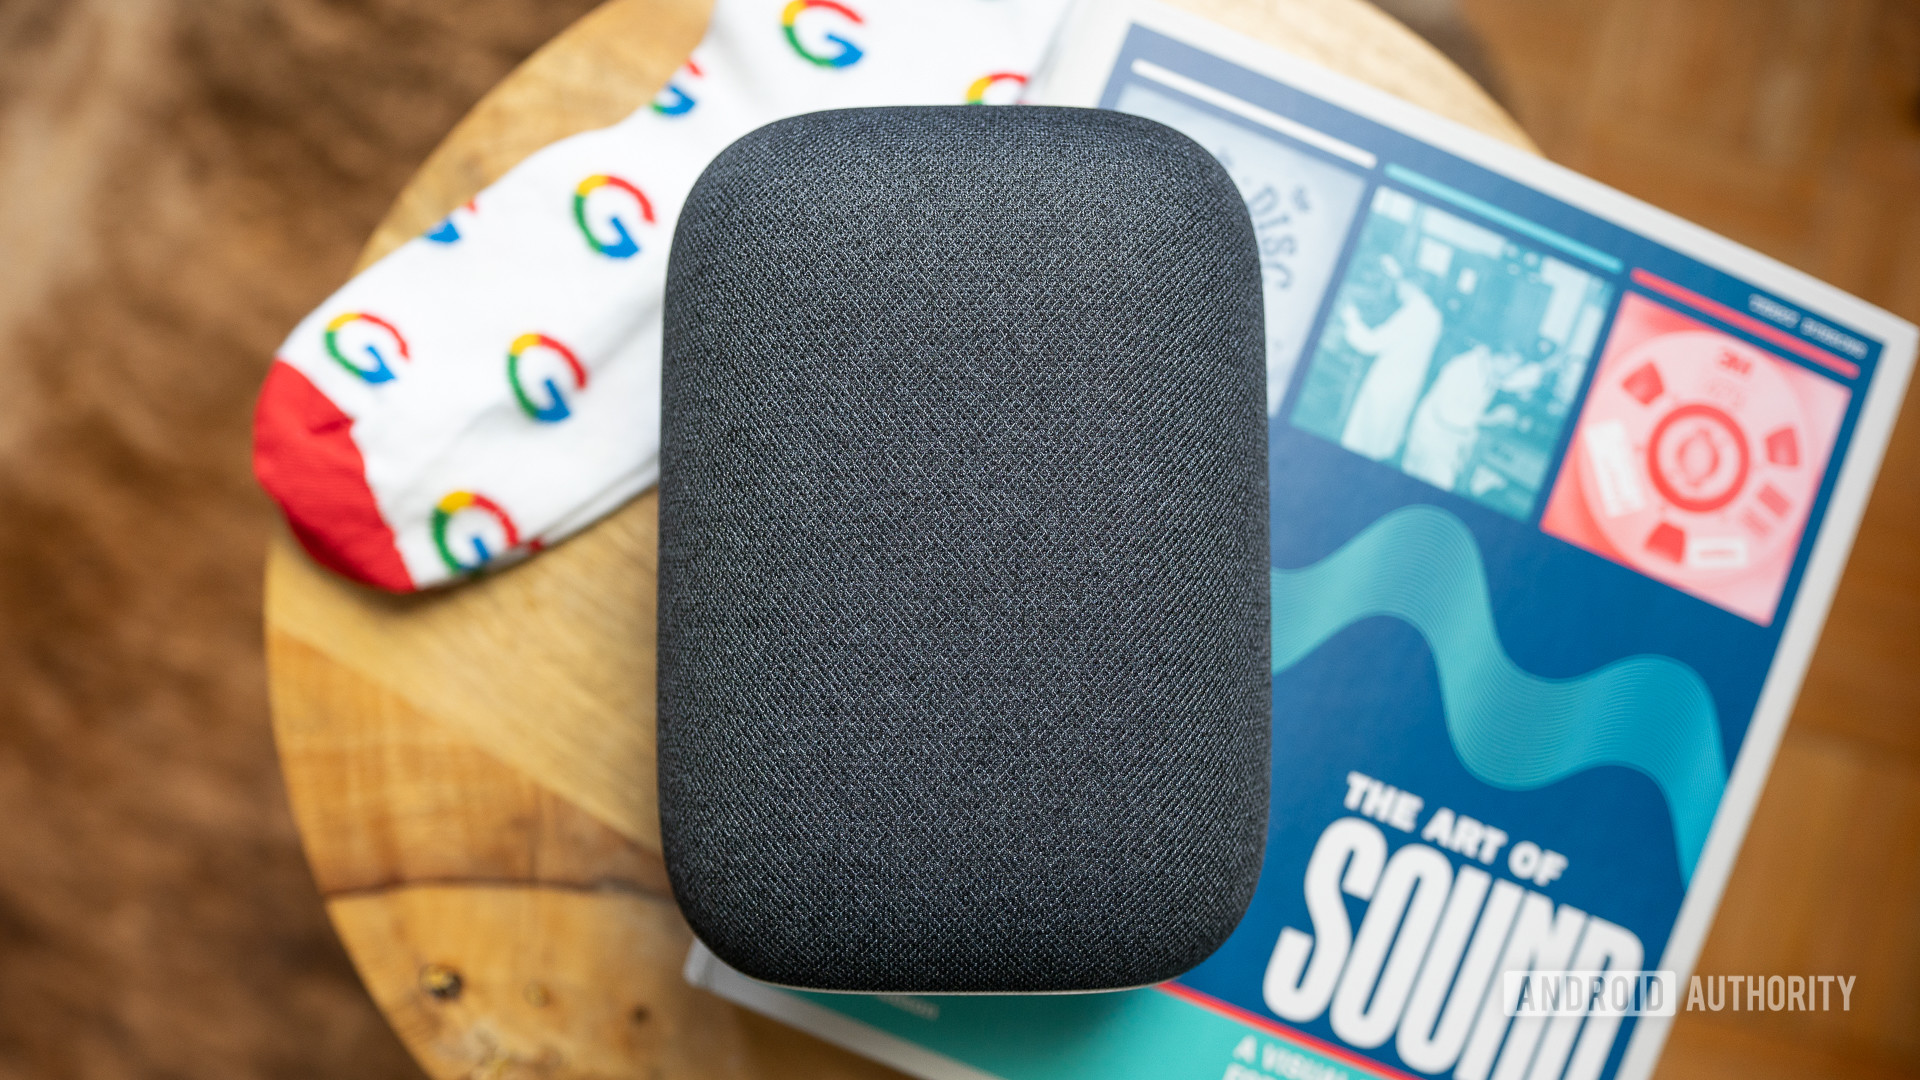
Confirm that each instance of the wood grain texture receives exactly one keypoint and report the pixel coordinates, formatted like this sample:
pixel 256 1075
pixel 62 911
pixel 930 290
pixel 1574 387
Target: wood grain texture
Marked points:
pixel 517 981
pixel 472 770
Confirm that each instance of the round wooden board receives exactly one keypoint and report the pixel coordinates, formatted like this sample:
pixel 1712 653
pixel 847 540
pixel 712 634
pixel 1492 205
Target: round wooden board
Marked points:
pixel 472 770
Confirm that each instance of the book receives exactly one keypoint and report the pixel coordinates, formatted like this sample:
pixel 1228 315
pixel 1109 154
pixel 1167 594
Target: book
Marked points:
pixel 1562 486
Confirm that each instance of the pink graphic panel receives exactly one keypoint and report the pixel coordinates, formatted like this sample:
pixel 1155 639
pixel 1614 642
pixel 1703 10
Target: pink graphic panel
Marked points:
pixel 1697 459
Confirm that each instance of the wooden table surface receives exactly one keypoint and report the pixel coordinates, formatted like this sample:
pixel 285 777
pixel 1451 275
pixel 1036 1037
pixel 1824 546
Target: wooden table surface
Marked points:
pixel 472 770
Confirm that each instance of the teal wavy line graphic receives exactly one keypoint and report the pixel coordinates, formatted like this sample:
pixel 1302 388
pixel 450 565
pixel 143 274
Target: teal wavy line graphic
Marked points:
pixel 1512 729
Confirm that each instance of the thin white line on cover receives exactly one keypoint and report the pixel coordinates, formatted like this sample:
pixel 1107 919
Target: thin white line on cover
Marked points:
pixel 1292 129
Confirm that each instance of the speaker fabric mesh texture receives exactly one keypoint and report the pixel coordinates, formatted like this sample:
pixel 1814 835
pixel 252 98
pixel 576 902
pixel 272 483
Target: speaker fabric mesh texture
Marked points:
pixel 963 640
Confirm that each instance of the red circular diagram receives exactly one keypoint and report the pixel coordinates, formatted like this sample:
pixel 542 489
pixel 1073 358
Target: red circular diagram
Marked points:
pixel 1697 458
pixel 1694 458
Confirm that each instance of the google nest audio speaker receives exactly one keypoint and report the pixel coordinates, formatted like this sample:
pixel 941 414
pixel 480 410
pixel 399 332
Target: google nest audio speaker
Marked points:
pixel 963 639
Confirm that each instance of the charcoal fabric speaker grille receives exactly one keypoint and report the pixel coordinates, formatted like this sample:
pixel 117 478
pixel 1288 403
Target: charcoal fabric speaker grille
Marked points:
pixel 963 652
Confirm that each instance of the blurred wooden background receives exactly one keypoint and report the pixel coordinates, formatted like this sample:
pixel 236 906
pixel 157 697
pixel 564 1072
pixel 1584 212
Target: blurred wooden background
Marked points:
pixel 184 178
pixel 180 181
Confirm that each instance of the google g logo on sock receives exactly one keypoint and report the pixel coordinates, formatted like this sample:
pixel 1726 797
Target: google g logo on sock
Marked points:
pixel 474 519
pixel 448 231
pixel 674 101
pixel 846 53
pixel 623 246
pixel 529 348
pixel 1004 85
pixel 357 332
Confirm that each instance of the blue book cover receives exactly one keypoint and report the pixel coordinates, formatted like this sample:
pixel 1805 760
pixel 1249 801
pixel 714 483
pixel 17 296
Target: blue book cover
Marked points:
pixel 1561 489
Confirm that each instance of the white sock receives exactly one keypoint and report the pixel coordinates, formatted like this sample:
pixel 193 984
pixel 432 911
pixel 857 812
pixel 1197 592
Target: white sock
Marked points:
pixel 494 386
